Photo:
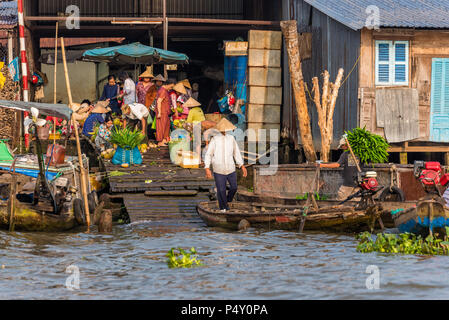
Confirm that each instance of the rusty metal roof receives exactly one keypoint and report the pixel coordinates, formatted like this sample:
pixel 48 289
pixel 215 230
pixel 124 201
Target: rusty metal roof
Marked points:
pixel 392 13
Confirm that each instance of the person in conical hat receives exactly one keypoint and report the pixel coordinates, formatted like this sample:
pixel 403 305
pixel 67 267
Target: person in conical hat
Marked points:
pixel 196 114
pixel 186 83
pixel 144 85
pixel 97 115
pixel 176 95
pixel 159 80
pixel 223 153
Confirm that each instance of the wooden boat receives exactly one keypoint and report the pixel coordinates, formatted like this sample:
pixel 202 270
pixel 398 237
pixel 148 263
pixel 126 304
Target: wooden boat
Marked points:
pixel 429 215
pixel 340 218
pixel 386 215
pixel 35 196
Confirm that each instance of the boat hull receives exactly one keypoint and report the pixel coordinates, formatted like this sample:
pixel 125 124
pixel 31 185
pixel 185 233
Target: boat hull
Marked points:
pixel 428 215
pixel 338 219
pixel 388 207
pixel 28 219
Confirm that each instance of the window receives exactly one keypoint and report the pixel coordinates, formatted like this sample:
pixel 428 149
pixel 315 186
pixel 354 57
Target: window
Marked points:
pixel 392 63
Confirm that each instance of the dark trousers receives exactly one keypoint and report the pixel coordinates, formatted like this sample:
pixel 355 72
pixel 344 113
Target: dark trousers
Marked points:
pixel 220 182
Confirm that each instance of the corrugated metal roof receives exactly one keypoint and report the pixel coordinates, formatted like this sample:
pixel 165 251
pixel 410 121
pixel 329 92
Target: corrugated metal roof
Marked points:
pixel 8 12
pixel 392 13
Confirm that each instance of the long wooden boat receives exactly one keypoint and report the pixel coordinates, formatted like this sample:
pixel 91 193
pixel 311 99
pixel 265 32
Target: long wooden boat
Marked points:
pixel 386 215
pixel 41 216
pixel 429 215
pixel 340 218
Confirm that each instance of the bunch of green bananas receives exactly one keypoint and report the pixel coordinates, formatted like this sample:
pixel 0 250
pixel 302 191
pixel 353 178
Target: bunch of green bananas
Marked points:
pixel 368 147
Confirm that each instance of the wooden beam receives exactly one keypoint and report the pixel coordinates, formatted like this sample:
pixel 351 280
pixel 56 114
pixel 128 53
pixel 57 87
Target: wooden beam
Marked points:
pixel 419 149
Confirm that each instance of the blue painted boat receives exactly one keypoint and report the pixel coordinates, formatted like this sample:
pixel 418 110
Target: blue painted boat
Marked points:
pixel 428 215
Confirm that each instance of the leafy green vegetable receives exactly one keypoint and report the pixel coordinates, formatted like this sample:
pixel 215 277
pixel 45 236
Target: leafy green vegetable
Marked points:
pixel 406 243
pixel 182 258
pixel 117 173
pixel 368 147
pixel 316 195
pixel 126 138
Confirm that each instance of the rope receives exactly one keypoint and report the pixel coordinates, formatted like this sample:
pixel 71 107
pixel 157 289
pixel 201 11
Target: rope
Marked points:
pixel 353 67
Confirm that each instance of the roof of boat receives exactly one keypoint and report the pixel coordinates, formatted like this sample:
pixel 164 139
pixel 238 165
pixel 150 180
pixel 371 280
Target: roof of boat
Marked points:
pixel 61 111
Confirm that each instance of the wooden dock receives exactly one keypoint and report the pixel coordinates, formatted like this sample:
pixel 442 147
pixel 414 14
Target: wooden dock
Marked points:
pixel 142 186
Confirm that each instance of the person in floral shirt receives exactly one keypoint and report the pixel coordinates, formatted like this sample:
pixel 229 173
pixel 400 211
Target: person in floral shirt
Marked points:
pixel 104 134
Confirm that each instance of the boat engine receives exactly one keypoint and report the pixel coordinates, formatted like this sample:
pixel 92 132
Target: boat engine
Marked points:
pixel 367 181
pixel 431 176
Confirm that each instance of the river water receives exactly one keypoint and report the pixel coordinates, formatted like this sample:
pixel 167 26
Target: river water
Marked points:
pixel 130 263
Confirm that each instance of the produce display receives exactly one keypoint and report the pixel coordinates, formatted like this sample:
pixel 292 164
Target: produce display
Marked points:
pixel 368 147
pixel 126 138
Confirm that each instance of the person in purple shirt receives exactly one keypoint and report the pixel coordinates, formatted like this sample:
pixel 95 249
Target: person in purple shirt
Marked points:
pixel 110 92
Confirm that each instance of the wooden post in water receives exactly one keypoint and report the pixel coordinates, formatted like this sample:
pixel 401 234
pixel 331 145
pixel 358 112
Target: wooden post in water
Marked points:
pixel 290 31
pixel 54 90
pixel 78 145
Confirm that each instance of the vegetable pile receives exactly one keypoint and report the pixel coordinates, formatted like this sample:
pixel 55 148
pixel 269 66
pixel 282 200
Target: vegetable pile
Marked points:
pixel 182 258
pixel 368 147
pixel 126 138
pixel 406 243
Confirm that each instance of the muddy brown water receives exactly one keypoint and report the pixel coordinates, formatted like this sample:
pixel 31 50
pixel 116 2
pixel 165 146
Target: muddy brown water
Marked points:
pixel 130 263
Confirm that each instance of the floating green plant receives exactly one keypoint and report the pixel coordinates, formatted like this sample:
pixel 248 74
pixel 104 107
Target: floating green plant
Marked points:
pixel 406 243
pixel 179 258
pixel 317 196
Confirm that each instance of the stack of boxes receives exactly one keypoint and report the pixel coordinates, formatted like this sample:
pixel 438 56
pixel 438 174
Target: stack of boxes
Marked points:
pixel 265 84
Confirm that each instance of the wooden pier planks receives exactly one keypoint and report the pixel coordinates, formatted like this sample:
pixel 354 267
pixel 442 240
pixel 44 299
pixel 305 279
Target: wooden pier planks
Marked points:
pixel 166 210
pixel 156 173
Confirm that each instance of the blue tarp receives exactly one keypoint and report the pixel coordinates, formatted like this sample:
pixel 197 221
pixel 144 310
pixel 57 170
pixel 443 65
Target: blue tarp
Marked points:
pixel 31 172
pixel 135 53
pixel 236 75
pixel 61 111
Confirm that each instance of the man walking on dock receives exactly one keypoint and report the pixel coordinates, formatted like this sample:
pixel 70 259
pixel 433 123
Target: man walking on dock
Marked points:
pixel 222 151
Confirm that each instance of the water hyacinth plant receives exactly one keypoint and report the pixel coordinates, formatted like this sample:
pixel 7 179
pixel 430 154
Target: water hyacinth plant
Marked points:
pixel 179 258
pixel 405 243
pixel 126 138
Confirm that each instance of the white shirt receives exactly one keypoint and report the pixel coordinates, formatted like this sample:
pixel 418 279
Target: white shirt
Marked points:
pixel 138 111
pixel 129 88
pixel 221 152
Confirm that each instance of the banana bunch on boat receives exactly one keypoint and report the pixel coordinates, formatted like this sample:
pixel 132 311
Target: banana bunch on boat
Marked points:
pixel 143 148
pixel 108 154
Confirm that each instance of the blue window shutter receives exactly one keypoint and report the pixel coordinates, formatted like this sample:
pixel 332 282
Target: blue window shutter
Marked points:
pixel 400 52
pixel 383 63
pixel 384 52
pixel 445 107
pixel 400 73
pixel 437 87
pixel 384 73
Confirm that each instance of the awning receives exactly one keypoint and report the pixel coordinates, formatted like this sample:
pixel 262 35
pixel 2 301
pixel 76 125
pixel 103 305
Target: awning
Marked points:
pixel 135 53
pixel 61 111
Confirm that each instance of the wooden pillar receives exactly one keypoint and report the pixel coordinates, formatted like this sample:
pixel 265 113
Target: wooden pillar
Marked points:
pixel 446 158
pixel 290 31
pixel 403 158
pixel 164 13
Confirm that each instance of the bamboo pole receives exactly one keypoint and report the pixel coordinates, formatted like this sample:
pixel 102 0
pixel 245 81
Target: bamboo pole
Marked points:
pixel 78 145
pixel 290 31
pixel 54 90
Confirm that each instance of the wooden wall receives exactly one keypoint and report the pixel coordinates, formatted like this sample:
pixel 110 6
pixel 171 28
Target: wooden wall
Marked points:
pixel 424 45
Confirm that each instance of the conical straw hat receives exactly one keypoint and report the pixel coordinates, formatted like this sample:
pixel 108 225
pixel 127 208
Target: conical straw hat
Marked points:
pixel 192 103
pixel 159 77
pixel 101 107
pixel 179 87
pixel 147 73
pixel 186 83
pixel 225 125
